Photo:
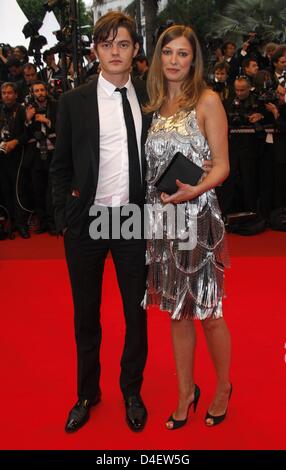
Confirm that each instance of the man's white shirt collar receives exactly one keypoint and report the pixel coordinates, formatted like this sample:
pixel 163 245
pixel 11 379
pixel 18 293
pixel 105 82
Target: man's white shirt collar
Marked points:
pixel 109 88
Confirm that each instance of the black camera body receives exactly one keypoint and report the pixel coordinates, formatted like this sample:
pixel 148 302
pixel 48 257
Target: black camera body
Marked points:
pixel 30 101
pixel 239 114
pixel 5 49
pixel 268 96
pixel 218 86
pixel 4 137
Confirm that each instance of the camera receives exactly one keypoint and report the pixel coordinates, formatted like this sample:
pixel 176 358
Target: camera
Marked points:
pixel 218 86
pixel 213 41
pixel 239 114
pixel 3 148
pixel 5 49
pixel 268 96
pixel 56 88
pixel 5 137
pixel 282 79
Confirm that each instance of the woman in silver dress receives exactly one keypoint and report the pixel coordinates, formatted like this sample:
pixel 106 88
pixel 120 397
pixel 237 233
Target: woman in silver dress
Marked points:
pixel 188 283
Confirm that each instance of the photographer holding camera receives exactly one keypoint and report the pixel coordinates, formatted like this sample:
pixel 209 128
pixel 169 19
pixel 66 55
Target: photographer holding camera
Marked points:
pixel 5 52
pixel 240 191
pixel 12 137
pixel 251 48
pixel 41 113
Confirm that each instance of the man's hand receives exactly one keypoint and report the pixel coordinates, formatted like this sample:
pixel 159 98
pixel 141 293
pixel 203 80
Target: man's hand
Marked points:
pixel 11 145
pixel 273 109
pixel 245 46
pixel 30 113
pixel 281 90
pixel 42 118
pixel 255 117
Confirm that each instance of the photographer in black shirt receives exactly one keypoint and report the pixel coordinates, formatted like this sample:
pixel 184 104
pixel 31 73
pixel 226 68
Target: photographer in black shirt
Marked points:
pixel 40 122
pixel 12 137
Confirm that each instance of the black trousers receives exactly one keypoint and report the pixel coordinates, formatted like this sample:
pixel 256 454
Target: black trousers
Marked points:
pixel 9 166
pixel 36 171
pixel 85 259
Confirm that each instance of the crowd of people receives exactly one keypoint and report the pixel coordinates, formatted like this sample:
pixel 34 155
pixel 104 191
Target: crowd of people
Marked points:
pixel 113 141
pixel 28 112
pixel 251 82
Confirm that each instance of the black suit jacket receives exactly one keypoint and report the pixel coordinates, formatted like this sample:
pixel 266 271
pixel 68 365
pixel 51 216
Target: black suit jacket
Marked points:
pixel 75 165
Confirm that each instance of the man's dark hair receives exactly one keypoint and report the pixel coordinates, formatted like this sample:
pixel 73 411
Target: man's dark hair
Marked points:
pixel 13 62
pixel 39 82
pixel 110 23
pixel 11 85
pixel 221 66
pixel 247 61
pixel 29 65
pixel 141 58
pixel 280 51
pixel 225 44
pixel 47 53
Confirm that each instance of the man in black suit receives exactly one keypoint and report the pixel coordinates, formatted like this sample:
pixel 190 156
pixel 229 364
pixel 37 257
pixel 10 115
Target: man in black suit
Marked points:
pixel 98 158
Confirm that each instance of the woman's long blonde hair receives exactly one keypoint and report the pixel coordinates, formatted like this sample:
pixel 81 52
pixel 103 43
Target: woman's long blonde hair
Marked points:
pixel 193 86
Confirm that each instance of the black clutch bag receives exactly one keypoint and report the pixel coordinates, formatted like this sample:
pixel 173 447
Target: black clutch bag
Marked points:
pixel 179 168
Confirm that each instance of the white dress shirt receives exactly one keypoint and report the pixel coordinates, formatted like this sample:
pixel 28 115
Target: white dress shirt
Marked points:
pixel 113 177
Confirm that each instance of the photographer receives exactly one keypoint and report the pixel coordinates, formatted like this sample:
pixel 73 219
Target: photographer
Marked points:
pixel 12 137
pixel 250 69
pixel 240 191
pixel 40 122
pixel 52 70
pixel 228 50
pixel 279 65
pixel 279 113
pixel 30 77
pixel 251 48
pixel 5 52
pixel 220 84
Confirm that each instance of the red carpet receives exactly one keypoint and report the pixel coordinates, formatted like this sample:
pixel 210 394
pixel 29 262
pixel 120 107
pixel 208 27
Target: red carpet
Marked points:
pixel 37 355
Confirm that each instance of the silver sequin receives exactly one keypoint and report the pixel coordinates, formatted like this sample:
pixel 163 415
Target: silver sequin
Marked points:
pixel 186 283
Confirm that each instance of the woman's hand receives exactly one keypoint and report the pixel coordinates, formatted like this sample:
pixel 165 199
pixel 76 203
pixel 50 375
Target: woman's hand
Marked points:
pixel 185 193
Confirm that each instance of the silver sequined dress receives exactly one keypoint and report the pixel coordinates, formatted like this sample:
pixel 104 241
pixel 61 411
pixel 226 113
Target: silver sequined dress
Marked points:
pixel 188 283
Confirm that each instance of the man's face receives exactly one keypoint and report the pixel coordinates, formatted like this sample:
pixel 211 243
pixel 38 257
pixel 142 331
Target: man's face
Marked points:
pixel 280 65
pixel 40 93
pixel 230 50
pixel 9 96
pixel 30 75
pixel 221 75
pixel 15 71
pixel 242 89
pixel 18 54
pixel 50 59
pixel 252 68
pixel 141 66
pixel 115 55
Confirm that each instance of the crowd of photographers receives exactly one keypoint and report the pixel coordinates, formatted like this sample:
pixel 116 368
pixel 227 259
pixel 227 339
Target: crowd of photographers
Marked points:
pixel 251 82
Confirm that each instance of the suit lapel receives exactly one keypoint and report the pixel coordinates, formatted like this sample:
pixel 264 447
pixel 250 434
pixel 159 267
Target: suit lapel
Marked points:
pixel 91 117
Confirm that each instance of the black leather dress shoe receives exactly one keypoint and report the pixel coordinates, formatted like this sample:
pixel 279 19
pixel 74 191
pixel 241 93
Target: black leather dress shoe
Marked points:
pixel 23 232
pixel 136 413
pixel 79 414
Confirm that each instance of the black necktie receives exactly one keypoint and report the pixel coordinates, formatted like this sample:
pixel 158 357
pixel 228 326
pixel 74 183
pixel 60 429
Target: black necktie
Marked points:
pixel 135 183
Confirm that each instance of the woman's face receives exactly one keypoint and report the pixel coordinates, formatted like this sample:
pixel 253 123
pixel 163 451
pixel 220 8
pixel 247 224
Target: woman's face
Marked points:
pixel 177 57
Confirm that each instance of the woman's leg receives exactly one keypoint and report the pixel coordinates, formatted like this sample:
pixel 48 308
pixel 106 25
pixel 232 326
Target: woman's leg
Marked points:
pixel 184 341
pixel 219 345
